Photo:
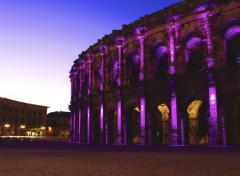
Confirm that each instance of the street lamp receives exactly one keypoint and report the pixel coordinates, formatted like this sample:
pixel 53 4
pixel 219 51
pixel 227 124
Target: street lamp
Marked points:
pixel 22 129
pixel 23 126
pixel 6 128
pixel 7 125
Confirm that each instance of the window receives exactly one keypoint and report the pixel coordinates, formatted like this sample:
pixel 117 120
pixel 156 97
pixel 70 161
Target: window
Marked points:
pixel 39 121
pixel 9 119
pixel 28 121
pixel 3 119
pixel 16 120
pixel 22 120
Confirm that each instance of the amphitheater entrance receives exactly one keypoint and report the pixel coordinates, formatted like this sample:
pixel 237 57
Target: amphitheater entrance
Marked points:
pixel 232 120
pixel 112 126
pixel 133 129
pixel 197 123
pixel 160 125
pixel 96 126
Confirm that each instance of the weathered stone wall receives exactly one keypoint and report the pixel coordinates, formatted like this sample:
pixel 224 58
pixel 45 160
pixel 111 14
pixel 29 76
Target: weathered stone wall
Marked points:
pixel 172 57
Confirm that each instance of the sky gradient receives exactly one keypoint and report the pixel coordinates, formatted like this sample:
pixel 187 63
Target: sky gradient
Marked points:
pixel 40 39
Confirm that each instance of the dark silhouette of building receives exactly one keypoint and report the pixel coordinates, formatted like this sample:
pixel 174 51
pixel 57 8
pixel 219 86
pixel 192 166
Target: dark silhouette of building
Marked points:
pixel 171 77
pixel 58 124
pixel 22 119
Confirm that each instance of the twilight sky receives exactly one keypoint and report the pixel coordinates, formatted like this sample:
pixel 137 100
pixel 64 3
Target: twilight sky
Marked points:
pixel 40 39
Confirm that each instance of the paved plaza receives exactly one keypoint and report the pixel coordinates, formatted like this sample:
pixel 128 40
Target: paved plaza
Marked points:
pixel 58 158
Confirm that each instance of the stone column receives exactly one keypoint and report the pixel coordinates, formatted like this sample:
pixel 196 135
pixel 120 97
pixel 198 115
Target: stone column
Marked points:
pixel 89 60
pixel 77 90
pixel 72 106
pixel 208 29
pixel 174 120
pixel 213 138
pixel 73 111
pixel 119 42
pixel 171 32
pixel 224 135
pixel 81 69
pixel 141 37
pixel 103 120
pixel 213 109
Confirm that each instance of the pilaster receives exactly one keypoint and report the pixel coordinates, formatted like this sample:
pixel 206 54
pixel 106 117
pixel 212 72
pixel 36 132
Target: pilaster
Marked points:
pixel 141 34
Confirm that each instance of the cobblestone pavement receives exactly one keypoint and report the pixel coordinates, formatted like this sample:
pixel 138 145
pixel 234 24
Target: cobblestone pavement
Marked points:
pixel 19 158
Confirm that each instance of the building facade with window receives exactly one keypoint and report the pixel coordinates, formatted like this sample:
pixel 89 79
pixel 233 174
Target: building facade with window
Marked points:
pixel 22 119
pixel 58 124
pixel 171 77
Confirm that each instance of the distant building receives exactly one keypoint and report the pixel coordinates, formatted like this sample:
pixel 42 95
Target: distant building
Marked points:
pixel 58 124
pixel 22 119
pixel 170 77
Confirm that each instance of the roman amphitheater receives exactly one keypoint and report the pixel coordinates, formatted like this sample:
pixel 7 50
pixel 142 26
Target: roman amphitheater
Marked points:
pixel 171 78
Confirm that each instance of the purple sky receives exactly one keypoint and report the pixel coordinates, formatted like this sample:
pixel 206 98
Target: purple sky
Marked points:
pixel 40 39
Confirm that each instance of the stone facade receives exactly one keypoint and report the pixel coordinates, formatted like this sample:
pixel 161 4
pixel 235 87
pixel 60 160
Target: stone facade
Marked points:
pixel 58 124
pixel 171 77
pixel 22 119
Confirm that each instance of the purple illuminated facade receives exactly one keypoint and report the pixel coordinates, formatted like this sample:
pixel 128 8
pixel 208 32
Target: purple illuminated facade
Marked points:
pixel 166 78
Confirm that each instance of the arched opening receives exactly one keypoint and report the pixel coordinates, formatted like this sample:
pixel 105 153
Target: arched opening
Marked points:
pixel 197 123
pixel 160 125
pixel 112 126
pixel 96 126
pixel 232 120
pixel 133 129
pixel 232 45
pixel 133 67
pixel 160 55
pixel 194 54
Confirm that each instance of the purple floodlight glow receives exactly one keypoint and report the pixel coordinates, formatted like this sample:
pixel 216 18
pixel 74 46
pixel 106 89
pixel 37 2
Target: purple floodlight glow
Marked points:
pixel 232 32
pixel 174 113
pixel 213 121
pixel 119 65
pixel 101 118
pixel 141 74
pixel 213 102
pixel 203 15
pixel 79 125
pixel 207 27
pixel 119 118
pixel 142 119
pixel 172 69
pixel 88 125
pixel 171 43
